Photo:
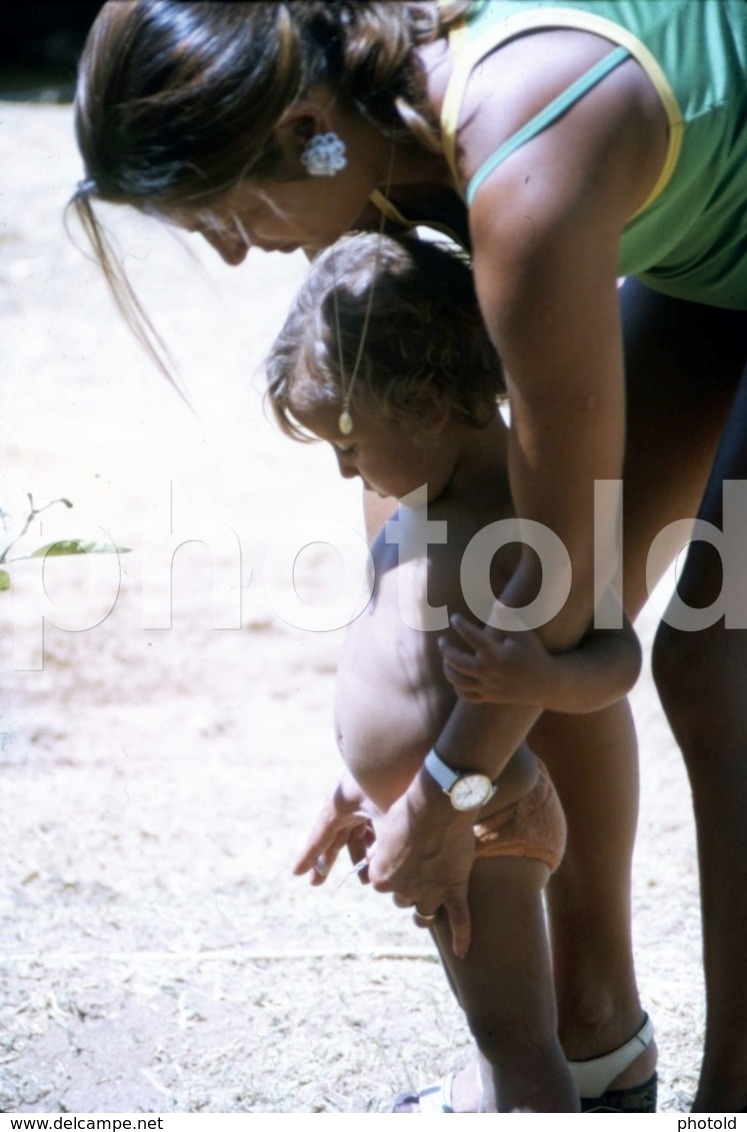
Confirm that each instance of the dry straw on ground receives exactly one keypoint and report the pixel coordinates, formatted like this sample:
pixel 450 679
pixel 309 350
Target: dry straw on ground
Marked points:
pixel 156 953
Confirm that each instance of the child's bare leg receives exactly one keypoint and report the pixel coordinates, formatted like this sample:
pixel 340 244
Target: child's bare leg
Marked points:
pixel 504 986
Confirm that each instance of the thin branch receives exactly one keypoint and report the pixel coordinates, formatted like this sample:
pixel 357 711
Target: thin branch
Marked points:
pixel 33 513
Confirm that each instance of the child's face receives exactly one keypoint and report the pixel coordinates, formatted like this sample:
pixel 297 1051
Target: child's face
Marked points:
pixel 386 454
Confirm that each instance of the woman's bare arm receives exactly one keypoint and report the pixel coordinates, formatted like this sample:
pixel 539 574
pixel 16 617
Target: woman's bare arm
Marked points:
pixel 545 231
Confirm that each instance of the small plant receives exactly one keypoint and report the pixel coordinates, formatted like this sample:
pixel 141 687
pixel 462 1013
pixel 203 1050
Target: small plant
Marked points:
pixel 54 549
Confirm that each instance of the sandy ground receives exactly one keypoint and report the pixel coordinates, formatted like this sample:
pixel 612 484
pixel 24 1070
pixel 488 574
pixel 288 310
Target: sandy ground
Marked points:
pixel 156 953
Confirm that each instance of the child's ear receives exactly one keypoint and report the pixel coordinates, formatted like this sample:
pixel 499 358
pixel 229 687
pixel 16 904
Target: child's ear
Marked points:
pixel 432 412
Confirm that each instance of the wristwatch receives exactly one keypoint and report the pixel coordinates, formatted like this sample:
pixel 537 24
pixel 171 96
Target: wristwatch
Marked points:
pixel 467 790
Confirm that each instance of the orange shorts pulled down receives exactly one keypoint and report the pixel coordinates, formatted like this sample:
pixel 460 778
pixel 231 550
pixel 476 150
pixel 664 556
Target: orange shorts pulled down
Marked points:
pixel 532 827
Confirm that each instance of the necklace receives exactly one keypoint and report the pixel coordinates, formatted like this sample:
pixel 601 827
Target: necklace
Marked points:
pixel 345 420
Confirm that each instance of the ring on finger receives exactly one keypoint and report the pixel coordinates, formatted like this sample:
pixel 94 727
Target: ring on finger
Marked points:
pixel 423 917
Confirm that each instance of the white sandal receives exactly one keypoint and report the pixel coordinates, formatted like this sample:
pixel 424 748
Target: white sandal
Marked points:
pixel 592 1077
pixel 434 1098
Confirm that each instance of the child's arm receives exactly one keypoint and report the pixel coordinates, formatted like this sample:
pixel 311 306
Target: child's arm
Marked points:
pixel 345 820
pixel 515 667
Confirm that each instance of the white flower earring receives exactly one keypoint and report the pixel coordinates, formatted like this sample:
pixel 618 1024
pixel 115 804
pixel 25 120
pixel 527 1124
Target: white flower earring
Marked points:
pixel 324 155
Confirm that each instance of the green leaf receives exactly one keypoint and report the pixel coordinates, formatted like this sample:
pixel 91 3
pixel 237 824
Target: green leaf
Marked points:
pixel 77 546
pixel 4 580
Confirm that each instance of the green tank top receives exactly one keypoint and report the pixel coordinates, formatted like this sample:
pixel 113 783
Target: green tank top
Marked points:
pixel 690 238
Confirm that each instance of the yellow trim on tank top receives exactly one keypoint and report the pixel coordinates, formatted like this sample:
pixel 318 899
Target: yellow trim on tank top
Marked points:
pixel 391 212
pixel 469 52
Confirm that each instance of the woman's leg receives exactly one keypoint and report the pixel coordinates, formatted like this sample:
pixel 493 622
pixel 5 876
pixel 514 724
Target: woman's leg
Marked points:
pixel 702 681
pixel 504 985
pixel 593 764
pixel 682 363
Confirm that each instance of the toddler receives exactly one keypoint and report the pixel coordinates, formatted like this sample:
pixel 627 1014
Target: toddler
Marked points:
pixel 384 357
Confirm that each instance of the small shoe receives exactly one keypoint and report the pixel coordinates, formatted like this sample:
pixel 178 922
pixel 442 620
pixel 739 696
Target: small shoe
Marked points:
pixel 434 1098
pixel 593 1077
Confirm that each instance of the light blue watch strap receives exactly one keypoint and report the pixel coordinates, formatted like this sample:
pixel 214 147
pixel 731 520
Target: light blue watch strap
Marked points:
pixel 440 771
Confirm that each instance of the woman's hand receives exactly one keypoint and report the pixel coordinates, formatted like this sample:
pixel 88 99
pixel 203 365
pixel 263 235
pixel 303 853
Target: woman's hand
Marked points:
pixel 424 855
pixel 345 821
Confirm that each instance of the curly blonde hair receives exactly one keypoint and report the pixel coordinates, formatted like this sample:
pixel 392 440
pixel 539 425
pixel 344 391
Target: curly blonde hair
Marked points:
pixel 423 331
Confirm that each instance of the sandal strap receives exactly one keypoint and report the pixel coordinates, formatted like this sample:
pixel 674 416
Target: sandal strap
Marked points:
pixel 437 1098
pixel 593 1077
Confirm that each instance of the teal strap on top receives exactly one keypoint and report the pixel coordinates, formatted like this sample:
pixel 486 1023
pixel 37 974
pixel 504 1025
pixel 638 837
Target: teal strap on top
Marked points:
pixel 547 116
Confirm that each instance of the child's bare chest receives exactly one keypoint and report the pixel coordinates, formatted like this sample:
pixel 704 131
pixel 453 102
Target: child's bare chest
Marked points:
pixel 392 697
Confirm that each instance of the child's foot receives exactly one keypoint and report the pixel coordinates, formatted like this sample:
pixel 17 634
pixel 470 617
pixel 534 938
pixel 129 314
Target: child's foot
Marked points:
pixel 625 1081
pixel 457 1092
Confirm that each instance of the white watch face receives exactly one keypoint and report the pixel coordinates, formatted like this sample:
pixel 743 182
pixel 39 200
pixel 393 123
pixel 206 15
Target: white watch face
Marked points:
pixel 471 791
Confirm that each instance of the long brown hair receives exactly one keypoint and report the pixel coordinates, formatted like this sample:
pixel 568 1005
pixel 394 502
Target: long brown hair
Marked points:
pixel 178 100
